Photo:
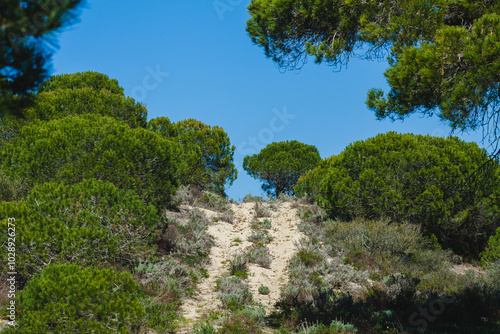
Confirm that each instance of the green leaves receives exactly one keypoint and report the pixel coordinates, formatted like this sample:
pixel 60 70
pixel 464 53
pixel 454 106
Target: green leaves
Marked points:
pixel 443 54
pixel 91 146
pixel 445 185
pixel 67 298
pixel 88 223
pixel 207 151
pixel 280 165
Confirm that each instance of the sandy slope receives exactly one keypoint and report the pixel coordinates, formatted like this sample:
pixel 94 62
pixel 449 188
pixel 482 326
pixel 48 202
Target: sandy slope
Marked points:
pixel 284 231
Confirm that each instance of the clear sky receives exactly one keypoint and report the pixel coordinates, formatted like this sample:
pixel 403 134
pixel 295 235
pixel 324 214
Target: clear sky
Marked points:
pixel 194 59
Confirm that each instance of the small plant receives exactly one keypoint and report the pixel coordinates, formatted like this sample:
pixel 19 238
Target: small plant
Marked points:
pixel 264 290
pixel 261 210
pixel 233 293
pixel 240 323
pixel 238 266
pixel 259 254
pixel 260 236
pixel 309 258
pixel 249 198
pixel 237 240
pixel 200 328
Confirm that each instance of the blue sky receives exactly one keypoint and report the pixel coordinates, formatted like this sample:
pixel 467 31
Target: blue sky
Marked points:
pixel 194 59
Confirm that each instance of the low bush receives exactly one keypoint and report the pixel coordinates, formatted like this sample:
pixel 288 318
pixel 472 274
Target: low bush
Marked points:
pixel 201 328
pixel 88 223
pixel 12 188
pixel 261 210
pixel 238 266
pixel 69 299
pixel 258 255
pixel 233 293
pixel 492 254
pixel 260 237
pixel 261 225
pixel 240 323
pixel 264 290
pixel 187 238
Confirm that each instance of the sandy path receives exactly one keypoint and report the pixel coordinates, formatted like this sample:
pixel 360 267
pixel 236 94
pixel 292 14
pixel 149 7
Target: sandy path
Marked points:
pixel 284 231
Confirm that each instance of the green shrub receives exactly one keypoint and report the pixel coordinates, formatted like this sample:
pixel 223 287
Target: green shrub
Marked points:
pixel 12 188
pixel 238 266
pixel 259 255
pixel 69 299
pixel 85 93
pixel 200 328
pixel 91 146
pixel 309 258
pixel 261 210
pixel 493 252
pixel 264 290
pixel 260 237
pixel 391 247
pixel 445 185
pixel 188 239
pixel 207 151
pixel 260 225
pixel 89 223
pixel 280 165
pixel 240 324
pixel 233 292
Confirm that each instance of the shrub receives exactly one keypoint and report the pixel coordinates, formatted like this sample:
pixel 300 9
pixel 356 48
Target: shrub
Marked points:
pixel 261 210
pixel 309 258
pixel 207 151
pixel 12 188
pixel 240 324
pixel 446 186
pixel 259 236
pixel 258 225
pixel 259 255
pixel 233 293
pixel 279 165
pixel 493 252
pixel 90 146
pixel 91 223
pixel 392 247
pixel 85 93
pixel 238 266
pixel 69 299
pixel 264 290
pixel 200 328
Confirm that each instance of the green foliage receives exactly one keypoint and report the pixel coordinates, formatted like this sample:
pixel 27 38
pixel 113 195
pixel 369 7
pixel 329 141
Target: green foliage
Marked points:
pixel 238 266
pixel 280 165
pixel 69 299
pixel 12 188
pixel 447 186
pixel 88 223
pixel 85 93
pixel 309 258
pixel 264 290
pixel 240 323
pixel 200 328
pixel 493 252
pixel 94 80
pixel 309 184
pixel 233 293
pixel 443 54
pixel 207 152
pixel 24 58
pixel 91 146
